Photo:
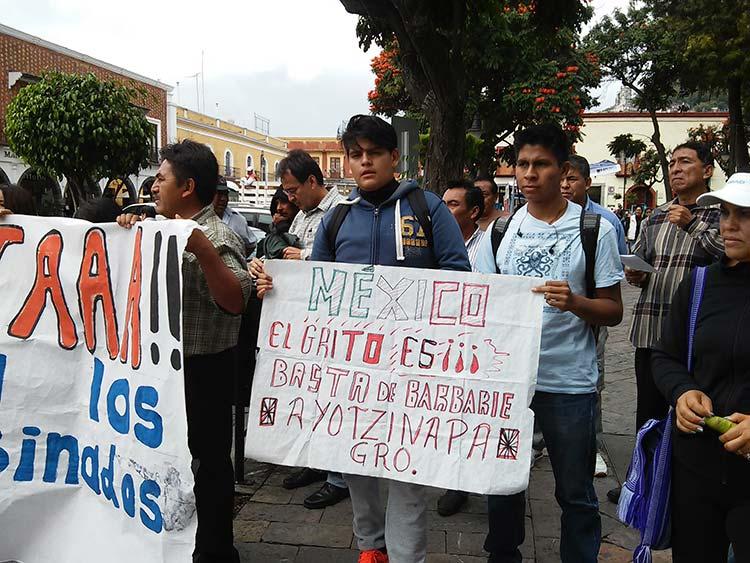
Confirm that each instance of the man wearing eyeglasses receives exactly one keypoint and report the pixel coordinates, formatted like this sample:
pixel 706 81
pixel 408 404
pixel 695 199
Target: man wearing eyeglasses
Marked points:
pixel 302 181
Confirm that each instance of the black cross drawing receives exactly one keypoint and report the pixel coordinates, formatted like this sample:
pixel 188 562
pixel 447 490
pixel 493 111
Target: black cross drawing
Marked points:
pixel 268 411
pixel 507 446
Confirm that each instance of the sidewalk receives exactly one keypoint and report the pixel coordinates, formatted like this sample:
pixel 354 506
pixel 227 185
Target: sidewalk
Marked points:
pixel 273 526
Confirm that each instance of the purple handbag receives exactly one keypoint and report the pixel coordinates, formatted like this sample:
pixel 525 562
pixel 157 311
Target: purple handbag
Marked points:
pixel 645 500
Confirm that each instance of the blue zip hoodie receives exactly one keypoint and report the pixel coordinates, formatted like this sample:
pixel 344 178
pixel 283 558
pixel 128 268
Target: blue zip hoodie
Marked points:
pixel 369 234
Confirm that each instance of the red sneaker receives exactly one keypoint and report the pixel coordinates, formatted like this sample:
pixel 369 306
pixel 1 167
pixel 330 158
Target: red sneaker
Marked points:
pixel 372 556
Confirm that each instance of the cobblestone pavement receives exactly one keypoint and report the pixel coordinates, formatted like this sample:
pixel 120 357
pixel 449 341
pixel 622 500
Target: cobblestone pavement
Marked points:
pixel 273 526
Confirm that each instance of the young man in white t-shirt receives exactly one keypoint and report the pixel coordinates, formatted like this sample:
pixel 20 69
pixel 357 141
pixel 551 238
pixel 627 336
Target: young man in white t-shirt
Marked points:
pixel 543 240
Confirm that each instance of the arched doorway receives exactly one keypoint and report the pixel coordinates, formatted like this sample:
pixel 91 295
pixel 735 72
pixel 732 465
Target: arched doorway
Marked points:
pixel 144 193
pixel 45 191
pixel 121 190
pixel 640 196
pixel 4 177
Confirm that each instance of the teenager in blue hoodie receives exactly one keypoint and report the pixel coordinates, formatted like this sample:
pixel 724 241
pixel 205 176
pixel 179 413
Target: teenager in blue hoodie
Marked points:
pixel 381 228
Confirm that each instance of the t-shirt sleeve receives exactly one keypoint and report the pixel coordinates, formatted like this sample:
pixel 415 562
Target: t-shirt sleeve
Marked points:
pixel 608 270
pixel 484 262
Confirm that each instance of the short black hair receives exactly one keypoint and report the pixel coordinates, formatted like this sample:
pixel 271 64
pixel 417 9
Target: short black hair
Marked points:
pixel 194 160
pixel 548 135
pixel 580 164
pixel 100 210
pixel 472 194
pixel 301 165
pixel 701 149
pixel 18 199
pixel 376 130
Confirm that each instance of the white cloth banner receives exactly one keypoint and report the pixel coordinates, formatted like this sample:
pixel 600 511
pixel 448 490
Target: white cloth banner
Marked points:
pixel 423 376
pixel 94 463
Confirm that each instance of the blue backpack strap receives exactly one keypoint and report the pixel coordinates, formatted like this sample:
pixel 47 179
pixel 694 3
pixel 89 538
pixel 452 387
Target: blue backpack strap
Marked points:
pixel 696 295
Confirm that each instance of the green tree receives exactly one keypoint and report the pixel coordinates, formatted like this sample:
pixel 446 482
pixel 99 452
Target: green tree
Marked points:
pixel 648 171
pixel 636 49
pixel 711 39
pixel 717 138
pixel 460 60
pixel 624 147
pixel 80 127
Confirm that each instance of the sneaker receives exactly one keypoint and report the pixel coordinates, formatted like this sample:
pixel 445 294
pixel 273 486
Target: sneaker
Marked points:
pixel 601 466
pixel 451 502
pixel 372 556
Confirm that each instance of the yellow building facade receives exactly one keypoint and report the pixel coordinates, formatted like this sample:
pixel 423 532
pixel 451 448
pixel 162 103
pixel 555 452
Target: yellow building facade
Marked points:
pixel 237 148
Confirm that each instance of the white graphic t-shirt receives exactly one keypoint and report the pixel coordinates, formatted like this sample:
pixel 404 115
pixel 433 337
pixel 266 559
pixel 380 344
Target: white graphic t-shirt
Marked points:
pixel 533 248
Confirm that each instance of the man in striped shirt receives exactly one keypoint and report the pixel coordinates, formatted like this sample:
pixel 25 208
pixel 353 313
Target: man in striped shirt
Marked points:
pixel 466 202
pixel 675 238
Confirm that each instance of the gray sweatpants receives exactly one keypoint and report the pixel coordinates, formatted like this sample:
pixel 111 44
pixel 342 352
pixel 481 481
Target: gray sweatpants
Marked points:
pixel 401 527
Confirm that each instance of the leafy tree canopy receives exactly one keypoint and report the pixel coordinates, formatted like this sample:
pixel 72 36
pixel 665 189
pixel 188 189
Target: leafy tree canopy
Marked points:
pixel 80 127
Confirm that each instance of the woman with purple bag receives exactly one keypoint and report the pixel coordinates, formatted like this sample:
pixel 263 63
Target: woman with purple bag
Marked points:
pixel 711 468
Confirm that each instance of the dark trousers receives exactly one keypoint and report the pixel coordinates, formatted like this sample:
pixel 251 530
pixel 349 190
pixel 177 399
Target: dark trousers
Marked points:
pixel 208 396
pixel 706 517
pixel 567 423
pixel 650 403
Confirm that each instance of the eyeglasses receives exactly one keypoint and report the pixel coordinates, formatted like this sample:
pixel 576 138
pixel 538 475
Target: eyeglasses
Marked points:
pixel 290 191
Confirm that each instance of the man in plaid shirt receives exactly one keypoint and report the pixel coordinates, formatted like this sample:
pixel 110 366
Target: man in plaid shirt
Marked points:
pixel 675 238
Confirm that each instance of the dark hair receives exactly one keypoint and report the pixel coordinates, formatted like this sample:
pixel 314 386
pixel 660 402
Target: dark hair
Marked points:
pixel 472 194
pixel 279 197
pixel 19 200
pixel 194 160
pixel 376 130
pixel 580 164
pixel 99 210
pixel 547 135
pixel 701 149
pixel 301 165
pixel 484 177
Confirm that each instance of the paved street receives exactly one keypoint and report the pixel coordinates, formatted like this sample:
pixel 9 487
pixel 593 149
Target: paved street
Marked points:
pixel 274 526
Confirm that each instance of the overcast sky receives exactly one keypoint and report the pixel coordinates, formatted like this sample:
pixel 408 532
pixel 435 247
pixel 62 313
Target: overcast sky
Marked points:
pixel 296 62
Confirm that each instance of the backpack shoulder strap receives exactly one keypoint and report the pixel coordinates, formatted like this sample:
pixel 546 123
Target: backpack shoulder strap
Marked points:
pixel 497 232
pixel 589 237
pixel 334 225
pixel 696 295
pixel 418 203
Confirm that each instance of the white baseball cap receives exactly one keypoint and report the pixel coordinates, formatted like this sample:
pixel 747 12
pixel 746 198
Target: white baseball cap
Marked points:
pixel 736 191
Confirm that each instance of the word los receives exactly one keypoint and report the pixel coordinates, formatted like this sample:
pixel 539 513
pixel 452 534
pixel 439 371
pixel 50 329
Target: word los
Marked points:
pixel 94 289
pixel 85 462
pixel 450 303
pixel 145 397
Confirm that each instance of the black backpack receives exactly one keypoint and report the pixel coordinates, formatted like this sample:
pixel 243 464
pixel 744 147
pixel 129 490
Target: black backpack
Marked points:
pixel 417 202
pixel 589 228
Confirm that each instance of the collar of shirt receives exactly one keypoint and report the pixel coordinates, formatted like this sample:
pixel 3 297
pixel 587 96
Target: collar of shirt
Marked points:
pixel 204 214
pixel 325 203
pixel 476 234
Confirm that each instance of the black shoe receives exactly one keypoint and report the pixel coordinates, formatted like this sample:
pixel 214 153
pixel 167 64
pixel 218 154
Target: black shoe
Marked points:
pixel 451 502
pixel 327 495
pixel 302 478
pixel 614 494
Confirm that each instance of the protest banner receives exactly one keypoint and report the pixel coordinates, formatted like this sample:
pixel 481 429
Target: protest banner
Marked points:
pixel 94 463
pixel 423 376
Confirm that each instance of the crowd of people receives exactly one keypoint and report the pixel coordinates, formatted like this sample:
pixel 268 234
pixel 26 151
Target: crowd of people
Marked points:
pixel 561 236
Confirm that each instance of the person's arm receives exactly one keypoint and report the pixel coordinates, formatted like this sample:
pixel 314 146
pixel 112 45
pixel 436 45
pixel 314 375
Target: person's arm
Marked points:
pixel 229 289
pixel 449 247
pixel 485 261
pixel 669 365
pixel 227 281
pixel 707 234
pixel 321 250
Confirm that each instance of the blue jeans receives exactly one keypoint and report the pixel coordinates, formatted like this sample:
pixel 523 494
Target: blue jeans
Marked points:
pixel 567 423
